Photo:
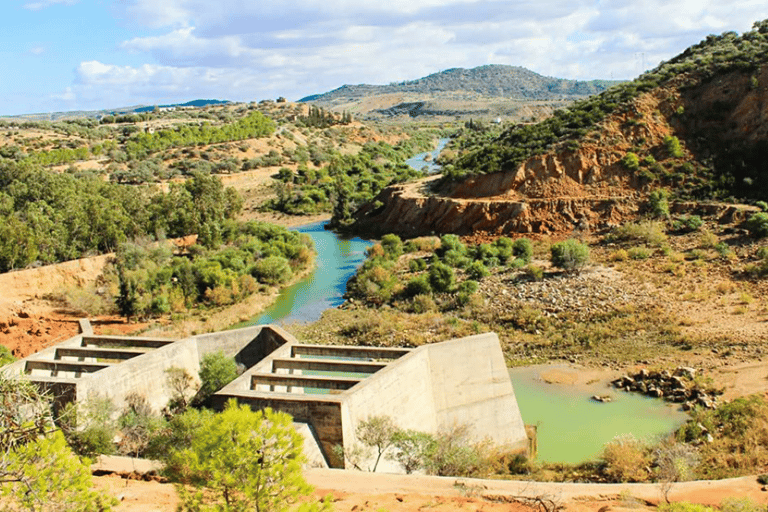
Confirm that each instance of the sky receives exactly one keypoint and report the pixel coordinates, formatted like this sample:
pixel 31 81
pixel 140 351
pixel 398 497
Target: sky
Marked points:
pixel 63 55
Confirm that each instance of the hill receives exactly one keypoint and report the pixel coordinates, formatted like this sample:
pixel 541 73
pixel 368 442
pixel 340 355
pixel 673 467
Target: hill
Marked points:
pixel 97 114
pixel 695 126
pixel 485 91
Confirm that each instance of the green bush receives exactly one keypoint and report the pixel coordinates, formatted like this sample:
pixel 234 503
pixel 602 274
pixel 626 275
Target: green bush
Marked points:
pixel 649 232
pixel 272 270
pixel 672 144
pixel 417 265
pixel 570 255
pixel 658 203
pixel 455 258
pixel 639 253
pixel 631 161
pixel 418 285
pixel 522 249
pixel 467 287
pixel 216 371
pixel 6 357
pixel 392 245
pixel 451 243
pixel 688 223
pixel 757 224
pixel 476 270
pixel 441 277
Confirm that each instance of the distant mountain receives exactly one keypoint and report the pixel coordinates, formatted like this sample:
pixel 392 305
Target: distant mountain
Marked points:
pixel 488 91
pixel 75 114
pixel 491 80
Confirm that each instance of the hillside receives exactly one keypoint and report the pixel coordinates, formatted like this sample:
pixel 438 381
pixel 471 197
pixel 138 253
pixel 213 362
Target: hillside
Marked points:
pixel 97 114
pixel 483 92
pixel 695 126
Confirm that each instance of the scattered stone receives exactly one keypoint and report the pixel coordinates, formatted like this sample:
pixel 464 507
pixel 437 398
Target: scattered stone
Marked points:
pixel 676 386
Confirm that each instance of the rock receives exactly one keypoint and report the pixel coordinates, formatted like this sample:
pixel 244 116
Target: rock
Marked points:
pixel 602 398
pixel 677 383
pixel 686 372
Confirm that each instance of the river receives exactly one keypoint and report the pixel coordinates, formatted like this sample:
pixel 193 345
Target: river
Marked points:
pixel 571 427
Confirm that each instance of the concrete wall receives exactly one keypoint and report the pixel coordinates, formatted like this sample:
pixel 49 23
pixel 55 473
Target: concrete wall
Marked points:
pixel 471 386
pixel 322 413
pixel 247 346
pixel 144 375
pixel 439 386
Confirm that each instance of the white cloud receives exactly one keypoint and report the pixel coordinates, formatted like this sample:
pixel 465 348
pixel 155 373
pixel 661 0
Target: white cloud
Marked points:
pixel 42 4
pixel 245 50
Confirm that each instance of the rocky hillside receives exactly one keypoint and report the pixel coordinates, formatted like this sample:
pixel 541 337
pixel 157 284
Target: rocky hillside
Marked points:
pixel 696 126
pixel 485 91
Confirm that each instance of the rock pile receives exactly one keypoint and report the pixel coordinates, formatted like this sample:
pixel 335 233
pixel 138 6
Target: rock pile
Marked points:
pixel 677 386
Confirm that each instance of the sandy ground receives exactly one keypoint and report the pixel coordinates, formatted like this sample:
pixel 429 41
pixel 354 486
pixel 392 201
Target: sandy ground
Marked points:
pixel 357 491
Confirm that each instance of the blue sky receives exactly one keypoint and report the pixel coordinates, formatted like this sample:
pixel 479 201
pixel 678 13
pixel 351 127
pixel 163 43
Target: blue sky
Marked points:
pixel 64 55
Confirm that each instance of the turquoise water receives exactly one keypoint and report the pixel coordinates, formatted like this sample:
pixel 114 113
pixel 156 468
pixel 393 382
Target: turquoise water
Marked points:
pixel 573 428
pixel 337 261
pixel 419 163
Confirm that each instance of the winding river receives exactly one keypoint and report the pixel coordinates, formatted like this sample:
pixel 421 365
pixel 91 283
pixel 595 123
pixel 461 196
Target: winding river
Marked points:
pixel 571 427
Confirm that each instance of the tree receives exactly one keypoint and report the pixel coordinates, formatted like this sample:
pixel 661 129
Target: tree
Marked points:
pixel 216 371
pixel 376 432
pixel 247 461
pixel 38 471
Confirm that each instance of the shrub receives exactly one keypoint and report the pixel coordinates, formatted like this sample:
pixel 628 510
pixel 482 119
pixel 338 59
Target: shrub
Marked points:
pixel 625 459
pixel 757 224
pixel 688 223
pixel 452 454
pixel 672 144
pixel 639 253
pixel 272 270
pixel 418 285
pixel 476 270
pixel 762 205
pixel 708 239
pixel 742 504
pixel 392 245
pixel 411 449
pixel 631 161
pixel 417 265
pixel 469 287
pixel 451 243
pixel 619 255
pixel 648 232
pixel 216 371
pixel 535 272
pixel 455 258
pixel 683 506
pixel 422 303
pixel 570 255
pixel 441 277
pixel 658 202
pixel 522 249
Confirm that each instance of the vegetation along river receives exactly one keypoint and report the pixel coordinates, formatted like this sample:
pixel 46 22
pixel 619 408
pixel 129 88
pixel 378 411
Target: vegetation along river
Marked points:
pixel 571 426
